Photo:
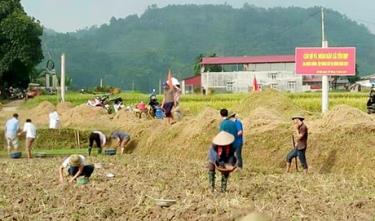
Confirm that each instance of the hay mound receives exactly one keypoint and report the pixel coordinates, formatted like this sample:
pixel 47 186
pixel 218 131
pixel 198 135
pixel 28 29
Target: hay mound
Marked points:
pixel 268 99
pixel 262 119
pixel 39 114
pixel 262 116
pixel 44 107
pixel 205 125
pixel 63 107
pixel 84 115
pixel 346 116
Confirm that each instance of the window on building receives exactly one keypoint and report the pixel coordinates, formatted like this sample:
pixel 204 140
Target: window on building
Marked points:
pixel 273 76
pixel 292 85
pixel 274 86
pixel 229 86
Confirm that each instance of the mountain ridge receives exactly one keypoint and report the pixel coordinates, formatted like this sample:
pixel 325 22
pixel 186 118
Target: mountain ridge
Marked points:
pixel 138 50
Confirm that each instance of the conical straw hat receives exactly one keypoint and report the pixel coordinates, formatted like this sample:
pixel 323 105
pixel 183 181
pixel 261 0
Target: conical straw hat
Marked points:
pixel 223 138
pixel 75 160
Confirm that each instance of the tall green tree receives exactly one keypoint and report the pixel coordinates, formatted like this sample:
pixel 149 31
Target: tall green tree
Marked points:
pixel 20 44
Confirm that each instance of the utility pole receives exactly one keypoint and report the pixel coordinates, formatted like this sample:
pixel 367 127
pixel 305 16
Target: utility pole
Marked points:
pixel 62 84
pixel 159 86
pixel 325 82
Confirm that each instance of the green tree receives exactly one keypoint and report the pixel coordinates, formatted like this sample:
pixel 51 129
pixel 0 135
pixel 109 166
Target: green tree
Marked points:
pixel 210 68
pixel 20 44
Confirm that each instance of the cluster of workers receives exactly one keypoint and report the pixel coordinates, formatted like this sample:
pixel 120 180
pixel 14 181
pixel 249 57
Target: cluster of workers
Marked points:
pixel 75 163
pixel 13 130
pixel 225 152
pixel 169 105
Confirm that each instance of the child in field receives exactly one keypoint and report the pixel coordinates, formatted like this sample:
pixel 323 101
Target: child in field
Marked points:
pixel 30 130
pixel 75 165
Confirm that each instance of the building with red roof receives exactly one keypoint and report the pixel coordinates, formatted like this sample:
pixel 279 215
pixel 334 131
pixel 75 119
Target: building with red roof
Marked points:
pixel 235 74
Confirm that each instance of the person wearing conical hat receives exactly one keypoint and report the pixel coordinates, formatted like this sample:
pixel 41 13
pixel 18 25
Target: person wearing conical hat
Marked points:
pixel 300 143
pixel 75 165
pixel 222 158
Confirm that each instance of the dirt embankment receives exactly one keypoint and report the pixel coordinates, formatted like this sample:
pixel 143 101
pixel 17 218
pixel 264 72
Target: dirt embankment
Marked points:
pixel 169 162
pixel 338 136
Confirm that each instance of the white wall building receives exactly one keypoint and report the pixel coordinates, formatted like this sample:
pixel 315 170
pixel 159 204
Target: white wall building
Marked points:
pixel 236 74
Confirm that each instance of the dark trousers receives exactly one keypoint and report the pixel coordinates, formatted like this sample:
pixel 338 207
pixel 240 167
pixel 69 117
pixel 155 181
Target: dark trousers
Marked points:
pixel 239 155
pixel 211 177
pixel 94 137
pixel 301 156
pixel 87 170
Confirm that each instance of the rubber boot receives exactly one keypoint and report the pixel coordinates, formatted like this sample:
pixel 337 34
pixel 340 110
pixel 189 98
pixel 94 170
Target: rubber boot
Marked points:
pixel 90 148
pixel 224 181
pixel 211 180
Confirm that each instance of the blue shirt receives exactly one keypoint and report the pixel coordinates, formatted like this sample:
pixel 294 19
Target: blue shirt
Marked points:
pixel 239 138
pixel 11 128
pixel 229 126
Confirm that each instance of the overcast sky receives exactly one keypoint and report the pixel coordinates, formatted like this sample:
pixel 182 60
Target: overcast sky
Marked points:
pixel 70 15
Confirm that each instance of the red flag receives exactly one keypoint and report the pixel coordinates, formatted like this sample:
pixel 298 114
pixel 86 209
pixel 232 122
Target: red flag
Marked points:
pixel 255 84
pixel 169 79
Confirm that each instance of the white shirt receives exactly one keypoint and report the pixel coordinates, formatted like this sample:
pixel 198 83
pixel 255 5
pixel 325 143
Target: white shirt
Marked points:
pixel 66 162
pixel 103 139
pixel 54 120
pixel 30 130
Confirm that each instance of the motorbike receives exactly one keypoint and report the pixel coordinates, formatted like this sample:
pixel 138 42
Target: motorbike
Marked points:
pixel 371 102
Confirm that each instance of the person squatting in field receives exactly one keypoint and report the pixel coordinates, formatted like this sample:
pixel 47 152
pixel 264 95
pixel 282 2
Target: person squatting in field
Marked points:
pixel 122 139
pixel 75 166
pixel 299 149
pixel 221 157
pixel 100 140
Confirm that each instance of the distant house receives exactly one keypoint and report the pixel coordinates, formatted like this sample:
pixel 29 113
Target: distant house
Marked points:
pixel 237 73
pixel 315 82
pixel 191 84
pixel 365 82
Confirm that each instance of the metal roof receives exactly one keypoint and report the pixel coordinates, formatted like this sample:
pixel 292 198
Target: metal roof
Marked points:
pixel 249 59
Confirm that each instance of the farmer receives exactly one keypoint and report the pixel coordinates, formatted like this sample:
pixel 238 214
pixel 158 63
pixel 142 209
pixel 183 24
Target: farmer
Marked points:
pixel 228 124
pixel 30 130
pixel 300 137
pixel 54 120
pixel 100 140
pixel 221 157
pixel 238 143
pixel 12 127
pixel 122 139
pixel 168 102
pixel 140 108
pixel 177 93
pixel 154 104
pixel 76 167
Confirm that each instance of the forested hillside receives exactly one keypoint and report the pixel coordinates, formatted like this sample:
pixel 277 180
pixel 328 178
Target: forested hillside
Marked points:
pixel 139 50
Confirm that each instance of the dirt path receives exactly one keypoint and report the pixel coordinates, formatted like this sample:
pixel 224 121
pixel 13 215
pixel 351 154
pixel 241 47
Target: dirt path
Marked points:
pixel 12 106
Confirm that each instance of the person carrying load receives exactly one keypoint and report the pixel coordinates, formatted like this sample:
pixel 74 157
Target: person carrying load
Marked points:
pixel 221 157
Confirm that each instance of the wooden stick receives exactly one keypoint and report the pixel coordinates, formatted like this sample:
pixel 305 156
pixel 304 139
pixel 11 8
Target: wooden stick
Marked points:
pixel 78 139
pixel 294 146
